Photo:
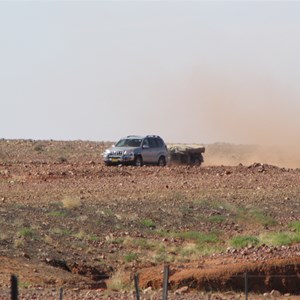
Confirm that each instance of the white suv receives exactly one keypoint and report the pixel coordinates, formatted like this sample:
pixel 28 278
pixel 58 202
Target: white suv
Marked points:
pixel 137 150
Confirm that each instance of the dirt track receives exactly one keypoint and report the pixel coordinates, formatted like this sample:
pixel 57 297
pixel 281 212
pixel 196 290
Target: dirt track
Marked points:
pixel 67 220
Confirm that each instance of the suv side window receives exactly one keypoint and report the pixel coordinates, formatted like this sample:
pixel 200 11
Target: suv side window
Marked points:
pixel 146 142
pixel 160 142
pixel 153 143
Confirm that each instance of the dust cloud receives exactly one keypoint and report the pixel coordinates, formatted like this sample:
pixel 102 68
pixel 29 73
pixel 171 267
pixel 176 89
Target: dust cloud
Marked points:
pixel 250 110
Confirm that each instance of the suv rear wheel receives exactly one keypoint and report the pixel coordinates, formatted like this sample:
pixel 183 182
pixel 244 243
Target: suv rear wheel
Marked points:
pixel 138 162
pixel 162 161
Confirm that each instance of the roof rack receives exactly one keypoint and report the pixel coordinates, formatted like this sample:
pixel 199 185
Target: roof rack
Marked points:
pixel 138 136
pixel 152 135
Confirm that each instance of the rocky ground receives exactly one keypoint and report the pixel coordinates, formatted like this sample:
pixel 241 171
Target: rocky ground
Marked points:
pixel 68 221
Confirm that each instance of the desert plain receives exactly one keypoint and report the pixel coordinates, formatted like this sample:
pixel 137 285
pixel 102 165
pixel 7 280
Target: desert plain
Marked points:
pixel 69 224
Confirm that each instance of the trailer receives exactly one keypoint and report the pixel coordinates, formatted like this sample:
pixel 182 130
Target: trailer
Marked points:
pixel 190 154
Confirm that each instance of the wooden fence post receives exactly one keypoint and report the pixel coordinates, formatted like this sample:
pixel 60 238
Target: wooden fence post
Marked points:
pixel 246 285
pixel 14 287
pixel 61 291
pixel 136 285
pixel 166 282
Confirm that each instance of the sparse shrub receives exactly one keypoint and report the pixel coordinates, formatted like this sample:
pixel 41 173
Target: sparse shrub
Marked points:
pixel 244 241
pixel 39 147
pixel 129 257
pixel 60 231
pixel 280 238
pixel 93 238
pixel 80 235
pixel 71 202
pixel 188 251
pixel 254 216
pixel 164 233
pixel 295 225
pixel 26 232
pixel 216 219
pixel 162 256
pixel 208 249
pixel 19 243
pixel 119 282
pixel 143 244
pixel 24 284
pixel 57 213
pixel 262 218
pixel 199 237
pixel 148 223
pixel 107 212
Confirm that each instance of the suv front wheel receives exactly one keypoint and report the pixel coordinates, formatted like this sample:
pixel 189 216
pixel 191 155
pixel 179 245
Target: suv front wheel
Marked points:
pixel 138 162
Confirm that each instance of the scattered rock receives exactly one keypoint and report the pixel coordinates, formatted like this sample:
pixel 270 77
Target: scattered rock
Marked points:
pixel 182 290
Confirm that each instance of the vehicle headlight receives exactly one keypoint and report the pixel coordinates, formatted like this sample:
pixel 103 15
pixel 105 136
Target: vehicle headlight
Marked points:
pixel 128 152
pixel 106 152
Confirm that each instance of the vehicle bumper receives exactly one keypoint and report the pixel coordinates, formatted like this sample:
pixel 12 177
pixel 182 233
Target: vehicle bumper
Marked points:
pixel 119 160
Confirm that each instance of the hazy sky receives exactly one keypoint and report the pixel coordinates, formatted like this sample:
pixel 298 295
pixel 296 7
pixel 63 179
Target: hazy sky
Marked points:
pixel 189 71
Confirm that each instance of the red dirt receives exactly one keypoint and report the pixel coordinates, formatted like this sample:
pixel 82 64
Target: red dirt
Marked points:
pixel 228 274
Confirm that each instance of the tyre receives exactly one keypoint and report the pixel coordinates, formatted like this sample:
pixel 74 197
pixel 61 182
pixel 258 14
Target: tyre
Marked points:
pixel 138 162
pixel 197 162
pixel 161 161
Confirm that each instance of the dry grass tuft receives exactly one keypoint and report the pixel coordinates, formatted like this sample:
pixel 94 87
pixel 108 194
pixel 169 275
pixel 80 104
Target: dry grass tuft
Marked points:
pixel 119 281
pixel 71 202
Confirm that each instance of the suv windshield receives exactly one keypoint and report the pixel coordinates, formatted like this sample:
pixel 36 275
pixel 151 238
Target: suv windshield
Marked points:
pixel 129 143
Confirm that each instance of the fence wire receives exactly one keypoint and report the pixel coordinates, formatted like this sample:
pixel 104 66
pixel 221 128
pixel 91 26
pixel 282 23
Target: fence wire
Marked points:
pixel 245 276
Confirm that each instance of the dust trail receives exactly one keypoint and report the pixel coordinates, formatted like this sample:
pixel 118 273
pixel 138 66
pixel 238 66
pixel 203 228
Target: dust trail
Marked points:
pixel 232 155
pixel 249 110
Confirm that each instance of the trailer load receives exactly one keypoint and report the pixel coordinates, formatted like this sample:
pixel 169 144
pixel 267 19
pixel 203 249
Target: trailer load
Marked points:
pixel 190 154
